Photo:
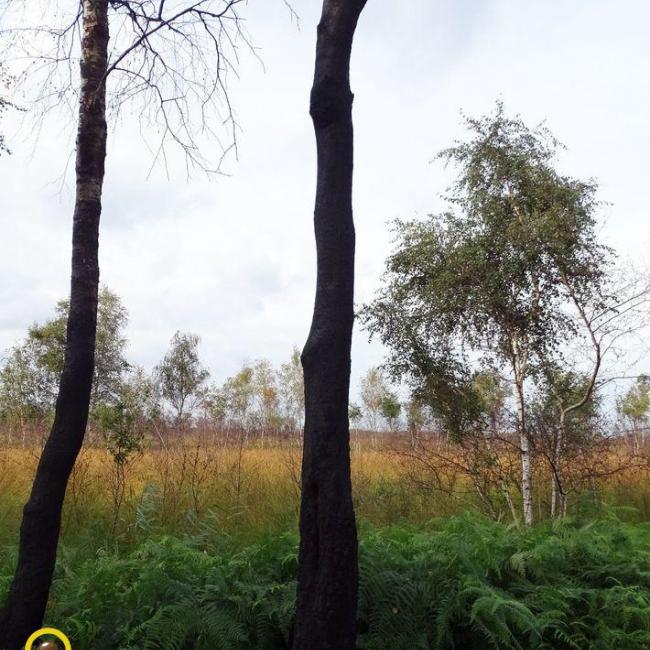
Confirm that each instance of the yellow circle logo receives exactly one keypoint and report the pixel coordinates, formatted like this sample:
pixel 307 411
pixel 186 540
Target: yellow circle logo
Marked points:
pixel 48 631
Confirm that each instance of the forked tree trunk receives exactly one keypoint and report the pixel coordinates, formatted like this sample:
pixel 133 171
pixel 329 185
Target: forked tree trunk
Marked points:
pixel 39 533
pixel 328 573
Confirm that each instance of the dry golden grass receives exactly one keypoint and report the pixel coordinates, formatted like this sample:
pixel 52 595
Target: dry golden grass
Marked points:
pixel 240 492
pixel 192 487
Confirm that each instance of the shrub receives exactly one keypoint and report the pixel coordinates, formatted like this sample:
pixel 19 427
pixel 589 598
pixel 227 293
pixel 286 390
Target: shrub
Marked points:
pixel 459 583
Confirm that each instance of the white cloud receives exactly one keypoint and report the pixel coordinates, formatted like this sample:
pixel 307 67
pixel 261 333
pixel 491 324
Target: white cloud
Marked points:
pixel 233 259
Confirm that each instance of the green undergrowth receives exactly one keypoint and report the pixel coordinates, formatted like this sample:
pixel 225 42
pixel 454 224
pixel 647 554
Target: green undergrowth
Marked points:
pixel 464 582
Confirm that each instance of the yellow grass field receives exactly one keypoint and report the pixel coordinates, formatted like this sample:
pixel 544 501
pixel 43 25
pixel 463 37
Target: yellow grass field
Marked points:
pixel 251 491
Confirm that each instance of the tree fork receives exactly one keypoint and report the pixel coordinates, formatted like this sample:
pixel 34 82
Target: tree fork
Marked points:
pixel 328 573
pixel 39 533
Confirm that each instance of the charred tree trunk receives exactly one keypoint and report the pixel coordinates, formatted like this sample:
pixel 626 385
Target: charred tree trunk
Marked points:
pixel 39 533
pixel 328 572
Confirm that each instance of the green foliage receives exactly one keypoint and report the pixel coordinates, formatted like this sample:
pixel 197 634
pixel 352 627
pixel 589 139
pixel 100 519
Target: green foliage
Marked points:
pixel 489 279
pixel 557 391
pixel 492 391
pixel 390 409
pixel 26 388
pixel 30 374
pixel 110 362
pixel 478 584
pixel 239 393
pixel 463 583
pixel 635 404
pixel 355 414
pixel 267 395
pixel 174 595
pixel 123 437
pixel 416 415
pixel 264 398
pixel 378 400
pixel 214 405
pixel 181 374
pixel 292 388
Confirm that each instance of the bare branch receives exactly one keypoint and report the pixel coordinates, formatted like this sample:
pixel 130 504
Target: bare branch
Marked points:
pixel 168 59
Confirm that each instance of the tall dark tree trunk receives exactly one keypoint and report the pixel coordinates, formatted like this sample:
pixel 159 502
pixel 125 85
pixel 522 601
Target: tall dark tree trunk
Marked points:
pixel 39 533
pixel 328 573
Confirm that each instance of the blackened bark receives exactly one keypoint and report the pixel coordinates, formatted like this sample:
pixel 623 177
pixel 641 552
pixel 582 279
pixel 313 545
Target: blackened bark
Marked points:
pixel 328 573
pixel 39 533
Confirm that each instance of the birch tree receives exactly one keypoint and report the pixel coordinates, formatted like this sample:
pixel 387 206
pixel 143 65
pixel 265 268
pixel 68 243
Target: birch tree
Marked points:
pixel 490 280
pixel 634 407
pixel 181 375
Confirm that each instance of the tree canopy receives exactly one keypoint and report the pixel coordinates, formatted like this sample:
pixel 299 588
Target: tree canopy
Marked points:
pixel 181 373
pixel 501 280
pixel 30 374
pixel 493 274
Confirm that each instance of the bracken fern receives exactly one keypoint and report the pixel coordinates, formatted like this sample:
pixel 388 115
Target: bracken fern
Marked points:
pixel 461 583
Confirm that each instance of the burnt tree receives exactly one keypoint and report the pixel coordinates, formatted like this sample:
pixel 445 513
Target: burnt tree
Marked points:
pixel 328 572
pixel 39 533
pixel 159 50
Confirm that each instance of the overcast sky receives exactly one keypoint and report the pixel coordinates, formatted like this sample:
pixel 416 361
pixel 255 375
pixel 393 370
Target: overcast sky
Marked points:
pixel 233 259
